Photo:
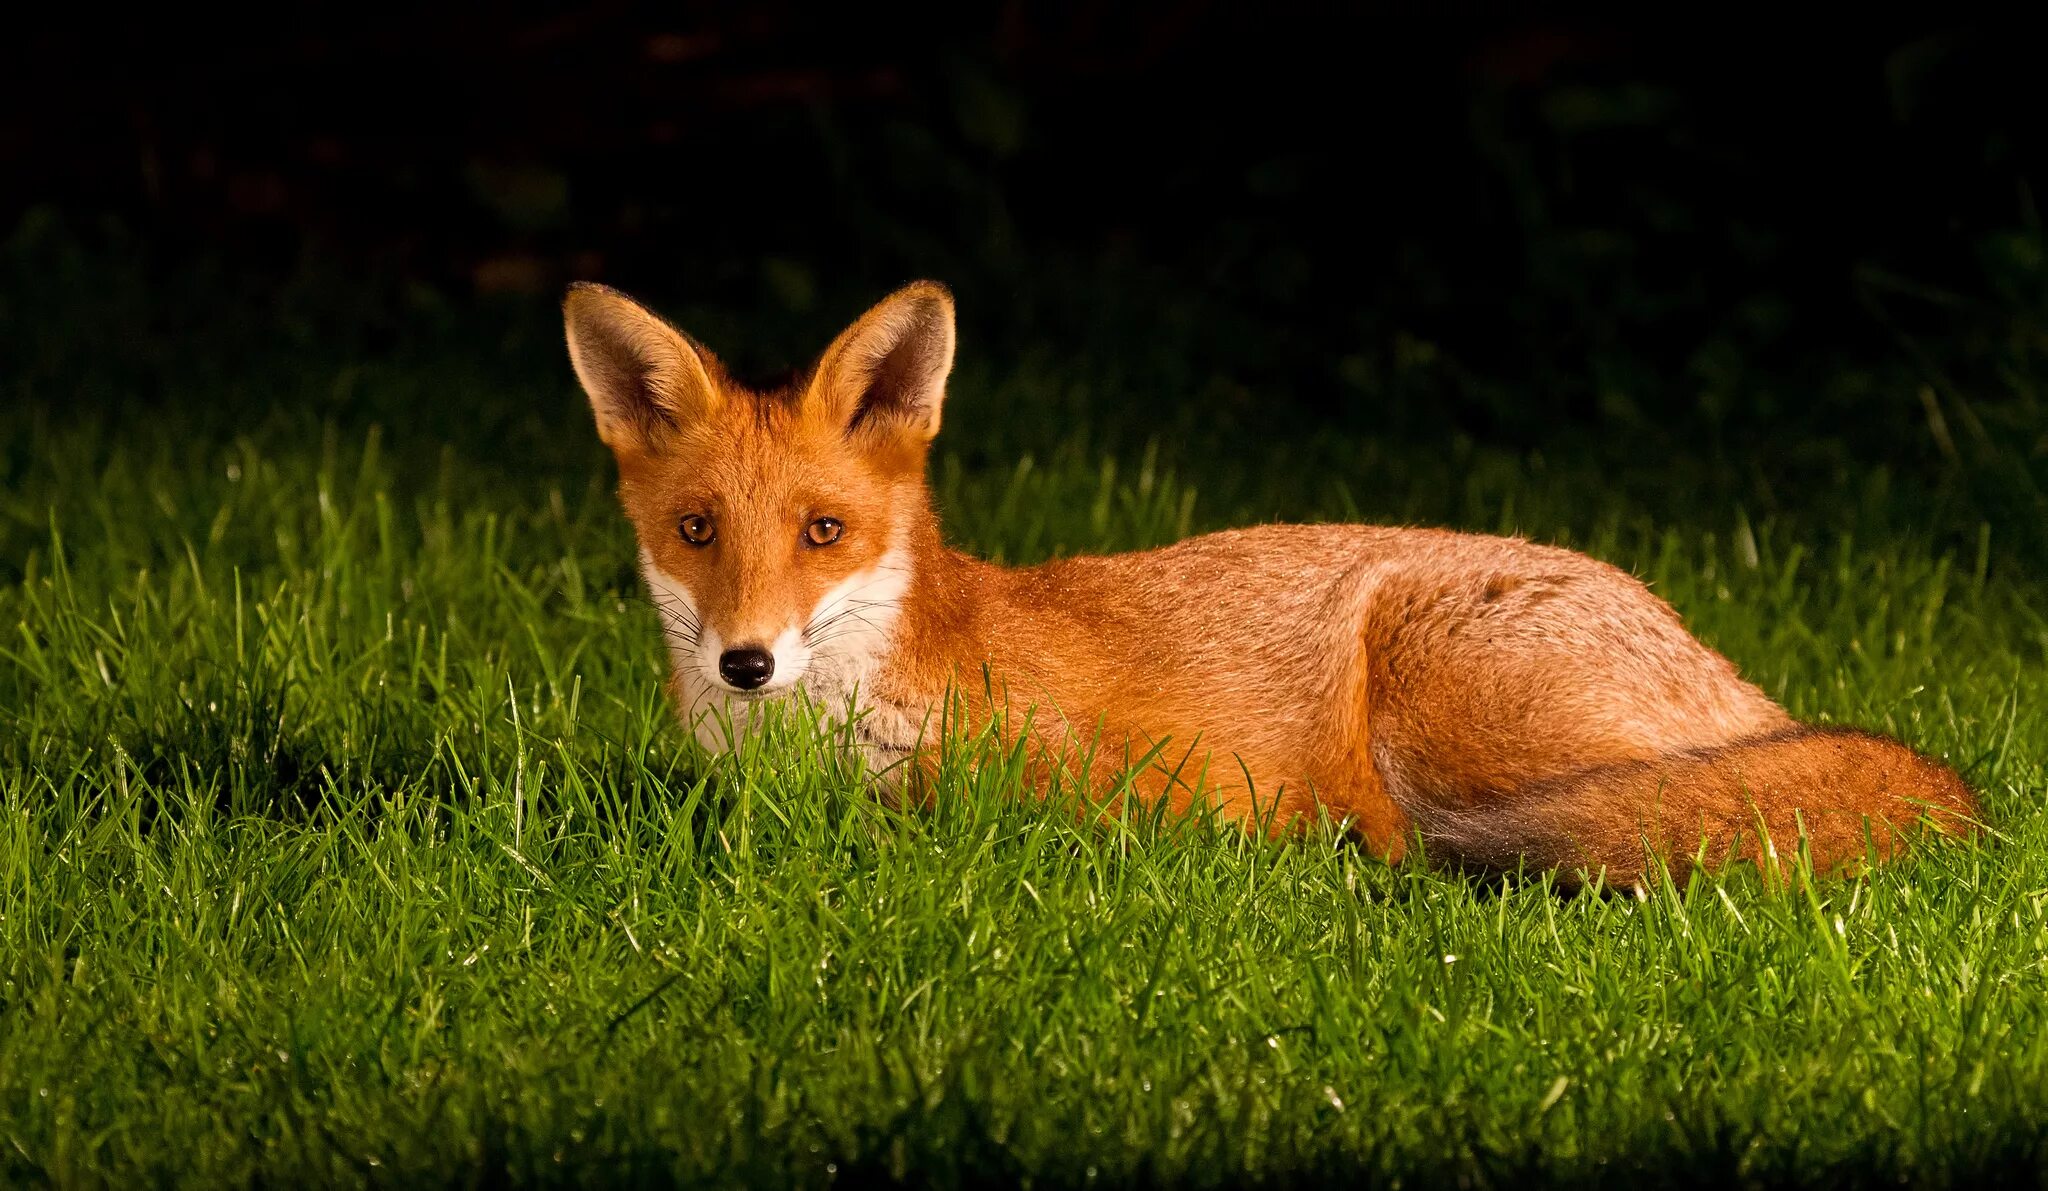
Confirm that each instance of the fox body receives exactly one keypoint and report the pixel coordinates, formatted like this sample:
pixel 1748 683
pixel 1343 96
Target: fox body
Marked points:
pixel 1510 703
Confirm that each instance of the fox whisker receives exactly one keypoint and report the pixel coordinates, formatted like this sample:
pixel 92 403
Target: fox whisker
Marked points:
pixel 840 610
pixel 671 606
pixel 677 616
pixel 820 625
pixel 839 627
pixel 822 642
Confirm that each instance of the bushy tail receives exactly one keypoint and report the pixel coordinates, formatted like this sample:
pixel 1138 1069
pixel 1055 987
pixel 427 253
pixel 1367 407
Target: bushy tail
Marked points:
pixel 1851 795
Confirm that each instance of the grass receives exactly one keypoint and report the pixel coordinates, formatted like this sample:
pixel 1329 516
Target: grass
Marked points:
pixel 344 837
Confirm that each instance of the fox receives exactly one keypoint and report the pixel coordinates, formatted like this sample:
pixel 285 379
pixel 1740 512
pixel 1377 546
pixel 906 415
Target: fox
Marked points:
pixel 1504 704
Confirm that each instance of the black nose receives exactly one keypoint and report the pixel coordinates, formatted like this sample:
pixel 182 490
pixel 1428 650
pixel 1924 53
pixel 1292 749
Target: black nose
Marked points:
pixel 746 667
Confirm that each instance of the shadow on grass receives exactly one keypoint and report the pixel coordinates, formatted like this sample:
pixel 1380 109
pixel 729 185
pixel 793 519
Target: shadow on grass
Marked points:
pixel 955 1146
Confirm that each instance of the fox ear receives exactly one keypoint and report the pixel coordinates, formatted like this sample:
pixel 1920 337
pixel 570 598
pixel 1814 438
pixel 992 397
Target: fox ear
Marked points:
pixel 645 379
pixel 886 374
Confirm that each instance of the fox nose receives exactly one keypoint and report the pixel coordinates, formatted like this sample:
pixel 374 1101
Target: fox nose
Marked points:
pixel 746 667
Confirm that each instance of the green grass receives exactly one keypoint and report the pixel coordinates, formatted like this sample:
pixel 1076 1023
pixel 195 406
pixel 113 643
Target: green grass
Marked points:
pixel 344 836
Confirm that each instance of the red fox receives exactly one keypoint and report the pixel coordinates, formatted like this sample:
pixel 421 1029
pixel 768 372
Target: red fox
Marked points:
pixel 1509 704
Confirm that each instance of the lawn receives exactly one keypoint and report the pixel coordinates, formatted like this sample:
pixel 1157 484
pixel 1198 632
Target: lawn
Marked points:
pixel 344 835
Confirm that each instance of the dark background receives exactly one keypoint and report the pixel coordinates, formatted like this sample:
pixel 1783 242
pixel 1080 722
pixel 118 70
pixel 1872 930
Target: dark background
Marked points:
pixel 1783 248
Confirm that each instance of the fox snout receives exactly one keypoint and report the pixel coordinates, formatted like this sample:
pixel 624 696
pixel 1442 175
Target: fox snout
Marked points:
pixel 749 658
pixel 746 668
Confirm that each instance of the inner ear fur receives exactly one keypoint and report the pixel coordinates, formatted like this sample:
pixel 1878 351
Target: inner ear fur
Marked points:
pixel 886 374
pixel 645 379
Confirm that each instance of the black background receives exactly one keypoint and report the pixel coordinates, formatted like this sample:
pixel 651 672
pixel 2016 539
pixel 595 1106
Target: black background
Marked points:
pixel 1723 230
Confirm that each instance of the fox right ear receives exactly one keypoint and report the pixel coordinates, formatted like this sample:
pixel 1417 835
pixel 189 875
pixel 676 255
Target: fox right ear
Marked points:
pixel 644 378
pixel 886 374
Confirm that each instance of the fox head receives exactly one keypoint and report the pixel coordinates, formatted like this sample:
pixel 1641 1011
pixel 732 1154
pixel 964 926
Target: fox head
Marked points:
pixel 774 525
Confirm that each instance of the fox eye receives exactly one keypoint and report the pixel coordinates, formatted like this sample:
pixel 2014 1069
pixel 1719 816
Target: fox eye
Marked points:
pixel 697 530
pixel 824 531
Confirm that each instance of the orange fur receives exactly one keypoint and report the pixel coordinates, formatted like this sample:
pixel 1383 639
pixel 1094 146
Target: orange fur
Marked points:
pixel 1508 702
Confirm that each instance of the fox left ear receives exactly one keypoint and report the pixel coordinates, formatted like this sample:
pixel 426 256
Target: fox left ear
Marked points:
pixel 886 374
pixel 644 378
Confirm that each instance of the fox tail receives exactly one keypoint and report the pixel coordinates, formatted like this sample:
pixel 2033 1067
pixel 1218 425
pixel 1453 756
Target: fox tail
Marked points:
pixel 1848 795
